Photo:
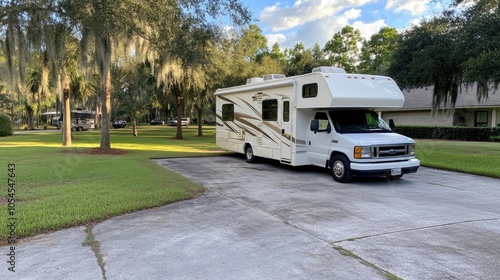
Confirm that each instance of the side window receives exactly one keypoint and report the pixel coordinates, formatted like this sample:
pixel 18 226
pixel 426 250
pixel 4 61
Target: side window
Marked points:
pixel 270 110
pixel 371 120
pixel 228 112
pixel 324 124
pixel 309 90
pixel 481 119
pixel 286 111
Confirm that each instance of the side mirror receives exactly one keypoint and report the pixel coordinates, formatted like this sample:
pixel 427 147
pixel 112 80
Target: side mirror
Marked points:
pixel 314 125
pixel 392 125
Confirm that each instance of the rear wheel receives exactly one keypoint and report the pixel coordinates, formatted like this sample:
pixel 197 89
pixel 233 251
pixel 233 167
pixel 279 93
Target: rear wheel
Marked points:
pixel 80 128
pixel 249 154
pixel 340 168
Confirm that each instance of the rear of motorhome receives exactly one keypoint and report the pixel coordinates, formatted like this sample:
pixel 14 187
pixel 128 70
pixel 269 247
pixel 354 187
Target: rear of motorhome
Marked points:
pixel 327 118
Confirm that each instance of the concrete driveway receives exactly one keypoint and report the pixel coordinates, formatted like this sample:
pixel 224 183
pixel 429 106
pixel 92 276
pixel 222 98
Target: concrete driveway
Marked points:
pixel 268 221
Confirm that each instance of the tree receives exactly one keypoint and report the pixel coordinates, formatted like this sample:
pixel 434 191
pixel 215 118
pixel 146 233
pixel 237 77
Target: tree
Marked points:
pixel 299 60
pixel 427 55
pixel 451 50
pixel 167 27
pixel 6 103
pixel 132 97
pixel 479 44
pixel 318 55
pixel 277 55
pixel 377 53
pixel 343 49
pixel 32 27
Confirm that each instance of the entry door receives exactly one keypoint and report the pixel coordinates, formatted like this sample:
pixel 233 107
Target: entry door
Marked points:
pixel 286 130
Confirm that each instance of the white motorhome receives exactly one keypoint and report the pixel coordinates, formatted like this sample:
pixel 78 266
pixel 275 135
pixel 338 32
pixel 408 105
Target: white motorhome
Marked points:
pixel 325 118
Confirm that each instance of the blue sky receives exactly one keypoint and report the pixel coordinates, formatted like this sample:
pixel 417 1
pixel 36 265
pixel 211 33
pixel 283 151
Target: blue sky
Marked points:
pixel 315 21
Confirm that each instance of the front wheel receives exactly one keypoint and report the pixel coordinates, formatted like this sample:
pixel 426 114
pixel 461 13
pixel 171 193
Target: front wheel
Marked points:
pixel 249 154
pixel 340 168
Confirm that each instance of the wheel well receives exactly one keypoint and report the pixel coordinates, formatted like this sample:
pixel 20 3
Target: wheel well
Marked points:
pixel 245 147
pixel 334 153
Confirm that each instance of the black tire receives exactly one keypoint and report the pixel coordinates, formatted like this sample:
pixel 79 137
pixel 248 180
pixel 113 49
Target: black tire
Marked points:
pixel 340 168
pixel 249 154
pixel 80 128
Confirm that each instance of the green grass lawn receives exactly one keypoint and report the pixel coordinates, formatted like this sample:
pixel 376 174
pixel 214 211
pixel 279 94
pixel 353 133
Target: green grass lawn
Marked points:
pixel 481 158
pixel 60 187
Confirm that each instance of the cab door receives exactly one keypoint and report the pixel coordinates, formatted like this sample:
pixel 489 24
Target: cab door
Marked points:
pixel 318 139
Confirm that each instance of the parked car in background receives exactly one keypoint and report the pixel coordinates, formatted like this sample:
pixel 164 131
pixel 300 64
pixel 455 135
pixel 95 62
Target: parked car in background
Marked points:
pixel 184 122
pixel 156 122
pixel 74 127
pixel 119 124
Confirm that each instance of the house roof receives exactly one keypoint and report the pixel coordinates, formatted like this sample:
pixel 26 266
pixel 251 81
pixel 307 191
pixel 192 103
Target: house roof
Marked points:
pixel 421 98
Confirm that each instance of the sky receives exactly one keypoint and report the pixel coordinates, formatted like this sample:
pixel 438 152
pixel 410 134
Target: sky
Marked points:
pixel 289 22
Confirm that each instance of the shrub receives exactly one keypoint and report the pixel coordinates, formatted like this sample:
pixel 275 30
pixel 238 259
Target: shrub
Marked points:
pixel 5 126
pixel 448 133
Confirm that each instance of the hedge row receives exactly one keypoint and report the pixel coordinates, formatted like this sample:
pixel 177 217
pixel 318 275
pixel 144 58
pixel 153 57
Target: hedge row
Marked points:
pixel 449 133
pixel 5 126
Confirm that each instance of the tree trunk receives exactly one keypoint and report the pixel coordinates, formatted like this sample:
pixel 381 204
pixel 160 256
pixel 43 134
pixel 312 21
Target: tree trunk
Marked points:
pixel 30 115
pixel 200 122
pixel 97 118
pixel 178 98
pixel 106 111
pixel 66 129
pixel 134 126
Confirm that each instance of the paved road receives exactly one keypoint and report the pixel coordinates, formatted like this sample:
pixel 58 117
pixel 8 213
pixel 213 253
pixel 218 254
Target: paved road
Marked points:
pixel 267 221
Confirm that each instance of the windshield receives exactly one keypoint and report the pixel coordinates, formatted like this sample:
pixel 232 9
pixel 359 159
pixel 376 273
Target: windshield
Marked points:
pixel 358 121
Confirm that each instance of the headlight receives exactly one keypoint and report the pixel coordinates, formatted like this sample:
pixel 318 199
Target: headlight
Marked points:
pixel 362 152
pixel 411 149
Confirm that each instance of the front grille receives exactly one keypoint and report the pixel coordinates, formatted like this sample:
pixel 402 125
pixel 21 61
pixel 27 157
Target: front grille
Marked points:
pixel 390 151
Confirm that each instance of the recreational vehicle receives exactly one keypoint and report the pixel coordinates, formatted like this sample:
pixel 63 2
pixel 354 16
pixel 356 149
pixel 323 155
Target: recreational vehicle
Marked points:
pixel 325 118
pixel 80 120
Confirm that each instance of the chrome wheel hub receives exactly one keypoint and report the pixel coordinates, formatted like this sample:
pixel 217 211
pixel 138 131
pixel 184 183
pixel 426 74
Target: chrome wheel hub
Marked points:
pixel 338 169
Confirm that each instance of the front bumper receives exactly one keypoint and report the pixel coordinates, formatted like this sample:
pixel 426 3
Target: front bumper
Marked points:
pixel 384 168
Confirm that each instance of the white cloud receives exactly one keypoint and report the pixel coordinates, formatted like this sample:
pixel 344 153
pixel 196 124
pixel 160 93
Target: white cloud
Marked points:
pixel 368 29
pixel 416 21
pixel 352 14
pixel 280 17
pixel 275 38
pixel 415 7
pixel 322 30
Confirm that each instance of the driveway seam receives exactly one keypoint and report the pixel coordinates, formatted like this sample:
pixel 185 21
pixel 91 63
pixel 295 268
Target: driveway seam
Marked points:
pixel 95 246
pixel 415 229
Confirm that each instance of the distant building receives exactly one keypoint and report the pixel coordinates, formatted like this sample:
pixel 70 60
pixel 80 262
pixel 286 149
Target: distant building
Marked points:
pixel 468 110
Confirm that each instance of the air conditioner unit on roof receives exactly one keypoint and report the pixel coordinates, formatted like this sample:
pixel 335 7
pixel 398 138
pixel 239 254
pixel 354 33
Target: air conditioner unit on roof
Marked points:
pixel 254 80
pixel 269 77
pixel 328 69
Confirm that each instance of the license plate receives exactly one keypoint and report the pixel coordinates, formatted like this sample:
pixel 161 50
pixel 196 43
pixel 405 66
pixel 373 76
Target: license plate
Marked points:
pixel 395 171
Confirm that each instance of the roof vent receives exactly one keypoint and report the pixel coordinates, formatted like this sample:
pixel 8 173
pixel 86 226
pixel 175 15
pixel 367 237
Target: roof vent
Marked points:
pixel 270 77
pixel 254 80
pixel 328 69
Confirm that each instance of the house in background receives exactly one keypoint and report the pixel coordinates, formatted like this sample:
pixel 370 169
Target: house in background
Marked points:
pixel 468 110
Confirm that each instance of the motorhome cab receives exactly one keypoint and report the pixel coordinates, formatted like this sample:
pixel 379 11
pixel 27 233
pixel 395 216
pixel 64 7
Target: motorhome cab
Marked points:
pixel 326 118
